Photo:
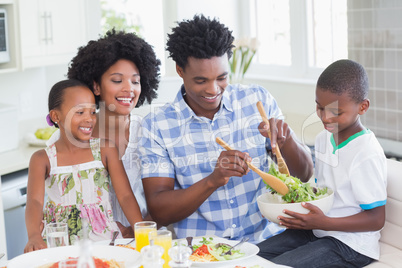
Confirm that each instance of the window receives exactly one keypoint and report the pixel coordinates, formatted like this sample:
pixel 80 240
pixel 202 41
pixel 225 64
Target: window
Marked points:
pixel 298 38
pixel 143 17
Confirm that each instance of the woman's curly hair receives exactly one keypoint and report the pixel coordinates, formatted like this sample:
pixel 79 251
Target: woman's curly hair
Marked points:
pixel 201 38
pixel 94 59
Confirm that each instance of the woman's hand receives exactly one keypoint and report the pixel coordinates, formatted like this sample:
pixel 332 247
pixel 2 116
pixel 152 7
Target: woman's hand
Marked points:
pixel 35 243
pixel 126 232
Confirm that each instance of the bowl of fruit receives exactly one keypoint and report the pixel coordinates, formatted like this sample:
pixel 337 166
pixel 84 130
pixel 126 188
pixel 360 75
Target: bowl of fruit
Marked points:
pixel 40 136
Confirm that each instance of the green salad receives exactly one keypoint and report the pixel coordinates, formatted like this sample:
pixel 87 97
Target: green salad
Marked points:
pixel 207 245
pixel 298 191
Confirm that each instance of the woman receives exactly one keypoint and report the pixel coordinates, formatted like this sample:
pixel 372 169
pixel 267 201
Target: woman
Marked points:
pixel 122 71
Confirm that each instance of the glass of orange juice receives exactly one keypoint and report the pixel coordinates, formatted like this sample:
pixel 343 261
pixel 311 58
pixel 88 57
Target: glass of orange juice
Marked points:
pixel 162 238
pixel 141 232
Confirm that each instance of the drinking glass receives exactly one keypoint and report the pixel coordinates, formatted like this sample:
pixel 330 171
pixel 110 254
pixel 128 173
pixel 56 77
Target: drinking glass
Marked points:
pixel 56 234
pixel 141 231
pixel 162 238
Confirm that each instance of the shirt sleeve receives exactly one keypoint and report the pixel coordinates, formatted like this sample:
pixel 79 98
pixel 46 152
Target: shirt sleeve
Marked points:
pixel 155 160
pixel 368 180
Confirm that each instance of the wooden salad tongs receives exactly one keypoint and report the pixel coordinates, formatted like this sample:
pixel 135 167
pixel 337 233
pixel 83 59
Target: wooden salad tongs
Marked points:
pixel 282 167
pixel 272 181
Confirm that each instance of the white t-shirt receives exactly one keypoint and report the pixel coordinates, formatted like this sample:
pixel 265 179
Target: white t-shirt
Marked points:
pixel 357 172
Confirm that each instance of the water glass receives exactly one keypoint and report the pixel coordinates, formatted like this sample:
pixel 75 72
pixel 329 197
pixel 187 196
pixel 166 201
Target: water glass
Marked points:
pixel 162 238
pixel 56 234
pixel 141 231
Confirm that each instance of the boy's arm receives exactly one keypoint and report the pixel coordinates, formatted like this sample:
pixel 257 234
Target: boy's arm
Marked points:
pixel 367 220
pixel 120 182
pixel 38 171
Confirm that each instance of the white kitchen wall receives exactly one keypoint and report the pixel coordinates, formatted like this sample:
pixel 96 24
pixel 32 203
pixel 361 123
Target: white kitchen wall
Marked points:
pixel 28 89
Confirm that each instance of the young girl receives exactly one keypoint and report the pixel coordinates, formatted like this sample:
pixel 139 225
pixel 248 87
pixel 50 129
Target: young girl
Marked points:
pixel 123 78
pixel 74 173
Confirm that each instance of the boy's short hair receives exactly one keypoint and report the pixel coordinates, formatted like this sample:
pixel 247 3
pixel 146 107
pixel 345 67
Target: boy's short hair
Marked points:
pixel 345 76
pixel 201 38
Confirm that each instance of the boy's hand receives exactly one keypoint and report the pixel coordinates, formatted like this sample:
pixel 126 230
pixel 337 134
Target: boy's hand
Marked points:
pixel 35 243
pixel 309 221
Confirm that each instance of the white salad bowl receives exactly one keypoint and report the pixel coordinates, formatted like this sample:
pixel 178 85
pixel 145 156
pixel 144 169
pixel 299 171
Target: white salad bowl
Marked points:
pixel 272 205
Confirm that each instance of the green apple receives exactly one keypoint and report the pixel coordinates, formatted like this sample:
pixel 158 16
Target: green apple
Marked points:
pixel 45 133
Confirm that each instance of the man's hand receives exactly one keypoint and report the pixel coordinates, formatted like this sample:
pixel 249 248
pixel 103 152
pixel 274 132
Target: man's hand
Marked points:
pixel 230 163
pixel 279 131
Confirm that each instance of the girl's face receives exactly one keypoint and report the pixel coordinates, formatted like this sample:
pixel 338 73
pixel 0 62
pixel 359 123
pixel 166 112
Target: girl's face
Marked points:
pixel 120 87
pixel 77 114
pixel 339 113
pixel 205 81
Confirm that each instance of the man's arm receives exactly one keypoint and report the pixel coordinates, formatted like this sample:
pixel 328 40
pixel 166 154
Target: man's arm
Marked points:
pixel 296 155
pixel 167 205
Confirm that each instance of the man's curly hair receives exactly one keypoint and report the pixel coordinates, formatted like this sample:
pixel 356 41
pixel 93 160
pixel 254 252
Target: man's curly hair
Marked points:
pixel 94 59
pixel 345 76
pixel 201 38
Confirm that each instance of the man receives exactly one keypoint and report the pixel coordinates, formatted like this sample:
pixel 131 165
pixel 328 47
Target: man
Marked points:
pixel 188 179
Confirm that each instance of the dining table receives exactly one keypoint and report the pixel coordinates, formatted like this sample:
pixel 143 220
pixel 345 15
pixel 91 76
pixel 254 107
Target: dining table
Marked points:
pixel 251 261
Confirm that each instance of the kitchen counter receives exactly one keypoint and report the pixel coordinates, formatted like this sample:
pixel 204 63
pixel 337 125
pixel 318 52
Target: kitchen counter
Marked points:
pixel 16 160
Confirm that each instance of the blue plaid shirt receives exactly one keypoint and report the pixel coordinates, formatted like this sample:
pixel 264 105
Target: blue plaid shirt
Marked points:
pixel 176 143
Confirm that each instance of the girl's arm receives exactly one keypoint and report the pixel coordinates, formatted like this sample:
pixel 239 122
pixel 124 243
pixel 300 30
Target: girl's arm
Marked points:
pixel 38 171
pixel 365 221
pixel 120 182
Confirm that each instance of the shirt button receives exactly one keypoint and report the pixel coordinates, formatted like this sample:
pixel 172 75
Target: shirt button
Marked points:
pixel 231 201
pixel 233 225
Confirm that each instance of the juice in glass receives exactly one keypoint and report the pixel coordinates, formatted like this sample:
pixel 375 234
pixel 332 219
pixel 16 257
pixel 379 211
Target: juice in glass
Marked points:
pixel 141 231
pixel 163 238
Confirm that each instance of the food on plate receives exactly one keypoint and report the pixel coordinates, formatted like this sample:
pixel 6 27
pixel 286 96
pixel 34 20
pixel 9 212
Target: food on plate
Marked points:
pixel 208 251
pixel 44 133
pixel 99 263
pixel 126 246
pixel 298 191
pixel 254 266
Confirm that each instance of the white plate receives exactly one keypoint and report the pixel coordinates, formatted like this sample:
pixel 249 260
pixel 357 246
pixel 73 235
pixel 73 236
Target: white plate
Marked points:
pixel 32 140
pixel 131 258
pixel 116 242
pixel 248 249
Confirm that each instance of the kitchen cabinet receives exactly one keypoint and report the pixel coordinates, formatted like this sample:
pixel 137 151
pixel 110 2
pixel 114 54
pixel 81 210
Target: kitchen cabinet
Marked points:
pixel 50 31
pixel 12 29
pixel 3 248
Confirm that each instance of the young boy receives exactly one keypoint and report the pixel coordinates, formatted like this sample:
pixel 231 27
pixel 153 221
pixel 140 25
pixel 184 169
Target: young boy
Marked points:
pixel 350 161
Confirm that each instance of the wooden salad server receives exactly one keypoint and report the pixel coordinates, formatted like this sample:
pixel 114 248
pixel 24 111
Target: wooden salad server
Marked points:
pixel 282 167
pixel 272 181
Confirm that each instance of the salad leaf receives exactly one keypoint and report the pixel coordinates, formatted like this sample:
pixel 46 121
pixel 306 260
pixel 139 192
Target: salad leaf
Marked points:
pixel 216 249
pixel 298 191
pixel 216 252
